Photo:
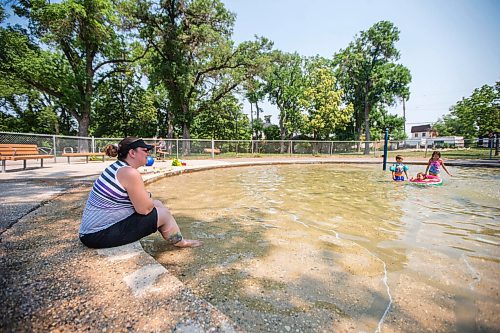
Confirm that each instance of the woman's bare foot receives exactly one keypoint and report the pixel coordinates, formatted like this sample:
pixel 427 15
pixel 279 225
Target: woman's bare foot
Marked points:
pixel 189 243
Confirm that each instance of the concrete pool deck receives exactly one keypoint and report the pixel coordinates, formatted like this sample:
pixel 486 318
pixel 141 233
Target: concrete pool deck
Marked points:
pixel 50 282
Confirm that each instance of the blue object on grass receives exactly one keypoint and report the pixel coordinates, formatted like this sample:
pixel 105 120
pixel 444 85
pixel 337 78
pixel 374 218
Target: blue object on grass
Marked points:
pixel 150 160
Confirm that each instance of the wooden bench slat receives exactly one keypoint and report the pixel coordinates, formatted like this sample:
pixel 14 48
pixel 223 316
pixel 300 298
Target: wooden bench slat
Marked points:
pixel 28 157
pixel 18 148
pixel 210 150
pixel 17 152
pixel 20 152
pixel 16 145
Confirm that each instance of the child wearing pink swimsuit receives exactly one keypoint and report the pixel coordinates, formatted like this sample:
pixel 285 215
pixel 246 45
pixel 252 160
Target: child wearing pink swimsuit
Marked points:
pixel 435 164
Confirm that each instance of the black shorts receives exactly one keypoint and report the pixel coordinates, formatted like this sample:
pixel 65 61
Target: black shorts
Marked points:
pixel 129 230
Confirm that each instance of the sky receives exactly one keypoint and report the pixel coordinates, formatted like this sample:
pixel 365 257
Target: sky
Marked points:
pixel 451 47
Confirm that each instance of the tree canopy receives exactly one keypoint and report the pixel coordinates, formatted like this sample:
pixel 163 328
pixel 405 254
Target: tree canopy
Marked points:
pixel 474 116
pixel 66 52
pixel 172 69
pixel 368 72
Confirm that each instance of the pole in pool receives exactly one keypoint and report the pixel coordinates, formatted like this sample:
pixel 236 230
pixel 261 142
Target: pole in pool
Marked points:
pixel 386 141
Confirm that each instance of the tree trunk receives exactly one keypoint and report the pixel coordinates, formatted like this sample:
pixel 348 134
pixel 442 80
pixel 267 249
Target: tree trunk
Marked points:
pixel 257 109
pixel 186 144
pixel 170 131
pixel 283 132
pixel 359 132
pixel 251 118
pixel 367 130
pixel 83 129
pixel 367 121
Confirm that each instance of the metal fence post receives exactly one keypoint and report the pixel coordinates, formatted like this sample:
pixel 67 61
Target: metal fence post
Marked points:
pixel 55 148
pixel 213 147
pixel 177 148
pixel 93 144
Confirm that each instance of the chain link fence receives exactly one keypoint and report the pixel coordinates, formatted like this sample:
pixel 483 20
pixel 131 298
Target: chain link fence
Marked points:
pixel 196 148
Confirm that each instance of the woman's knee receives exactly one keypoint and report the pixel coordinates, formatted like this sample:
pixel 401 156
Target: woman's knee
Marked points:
pixel 158 204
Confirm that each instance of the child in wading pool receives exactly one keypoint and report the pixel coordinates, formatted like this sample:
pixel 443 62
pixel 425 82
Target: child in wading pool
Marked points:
pixel 435 164
pixel 420 176
pixel 398 169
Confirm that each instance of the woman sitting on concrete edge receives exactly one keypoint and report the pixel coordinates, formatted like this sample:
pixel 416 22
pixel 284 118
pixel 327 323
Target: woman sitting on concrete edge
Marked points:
pixel 119 210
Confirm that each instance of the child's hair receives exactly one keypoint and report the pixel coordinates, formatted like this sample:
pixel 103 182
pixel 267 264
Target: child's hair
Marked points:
pixel 421 174
pixel 399 157
pixel 435 152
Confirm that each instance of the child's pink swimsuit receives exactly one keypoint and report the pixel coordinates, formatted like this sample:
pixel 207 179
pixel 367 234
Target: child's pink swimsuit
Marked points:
pixel 435 167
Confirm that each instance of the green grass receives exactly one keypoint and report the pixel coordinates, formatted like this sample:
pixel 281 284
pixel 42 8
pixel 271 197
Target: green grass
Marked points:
pixel 472 153
pixel 469 153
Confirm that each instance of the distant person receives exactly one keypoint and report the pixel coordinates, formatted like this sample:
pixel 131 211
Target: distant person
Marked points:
pixel 119 210
pixel 398 169
pixel 162 145
pixel 435 164
pixel 163 148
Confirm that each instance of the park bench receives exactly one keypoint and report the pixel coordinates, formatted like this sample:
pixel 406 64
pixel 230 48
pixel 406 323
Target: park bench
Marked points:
pixel 69 152
pixel 212 150
pixel 22 152
pixel 162 153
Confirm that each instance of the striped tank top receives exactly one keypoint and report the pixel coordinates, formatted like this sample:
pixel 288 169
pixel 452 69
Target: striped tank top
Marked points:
pixel 108 202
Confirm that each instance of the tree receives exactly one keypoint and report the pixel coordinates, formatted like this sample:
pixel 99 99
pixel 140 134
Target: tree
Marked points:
pixel 448 125
pixel 284 85
pixel 272 132
pixel 194 56
pixel 224 121
pixel 321 102
pixel 123 108
pixel 382 119
pixel 474 116
pixel 166 124
pixel 255 93
pixel 27 110
pixel 367 72
pixel 479 114
pixel 80 40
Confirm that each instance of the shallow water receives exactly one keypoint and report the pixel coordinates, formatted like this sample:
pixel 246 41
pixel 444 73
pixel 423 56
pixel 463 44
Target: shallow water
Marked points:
pixel 311 248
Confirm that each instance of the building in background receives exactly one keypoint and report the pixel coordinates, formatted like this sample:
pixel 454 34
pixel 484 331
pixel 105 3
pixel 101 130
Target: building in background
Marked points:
pixel 423 132
pixel 424 136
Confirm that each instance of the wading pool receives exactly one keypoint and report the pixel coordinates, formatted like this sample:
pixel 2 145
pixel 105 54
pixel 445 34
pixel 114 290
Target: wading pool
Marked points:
pixel 323 248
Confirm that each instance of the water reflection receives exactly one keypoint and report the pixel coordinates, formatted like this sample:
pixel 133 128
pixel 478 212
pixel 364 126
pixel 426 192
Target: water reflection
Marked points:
pixel 321 248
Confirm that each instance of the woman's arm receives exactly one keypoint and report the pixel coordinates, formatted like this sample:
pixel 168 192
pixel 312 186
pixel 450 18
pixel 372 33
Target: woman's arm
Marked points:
pixel 132 181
